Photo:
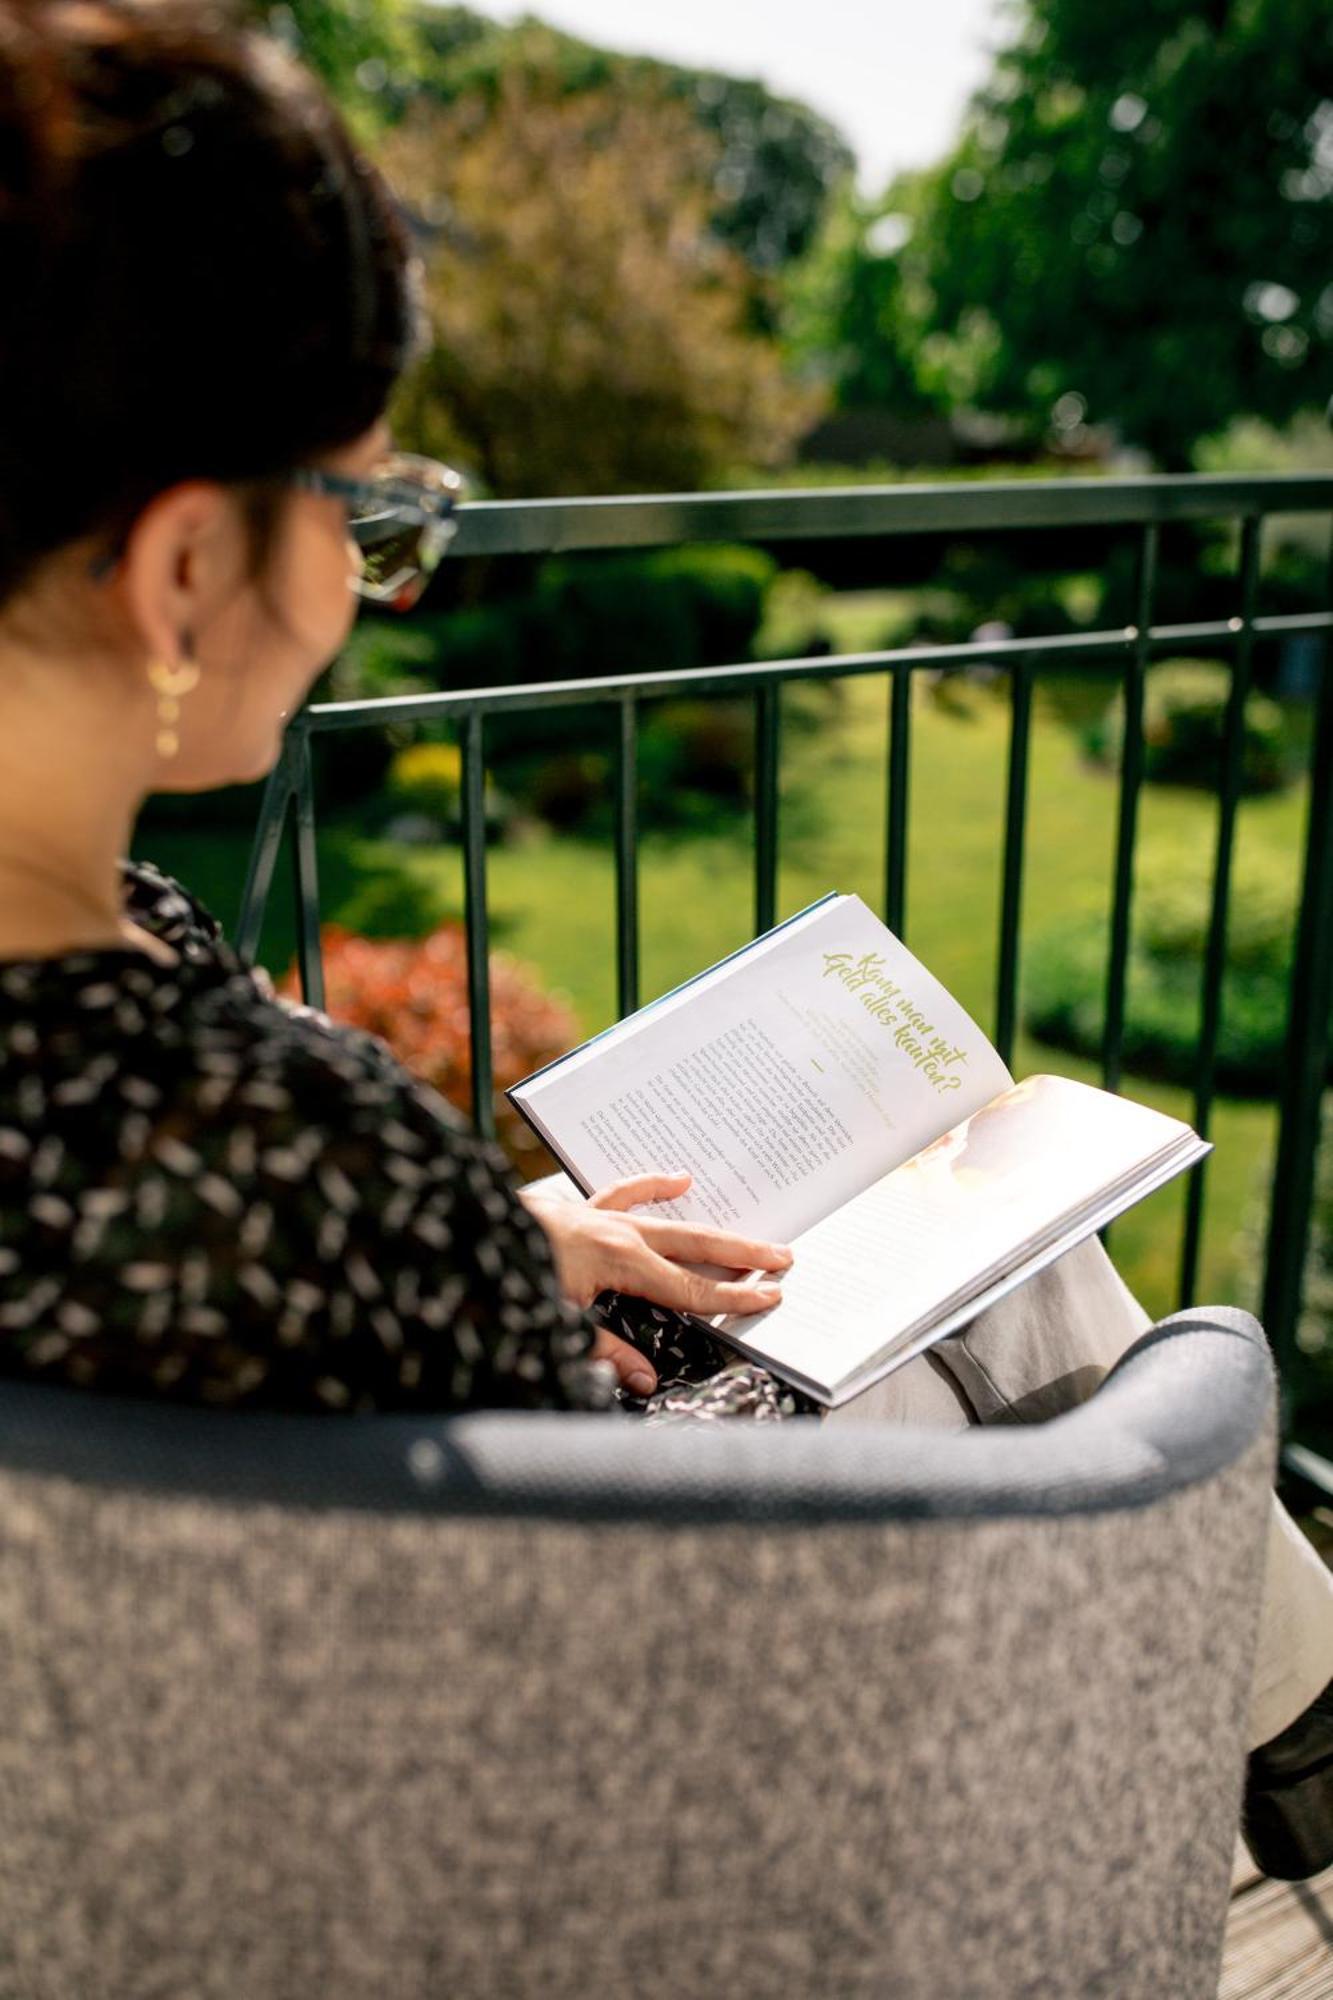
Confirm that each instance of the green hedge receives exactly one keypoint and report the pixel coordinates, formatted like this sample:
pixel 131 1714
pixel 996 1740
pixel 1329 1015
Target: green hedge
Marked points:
pixel 1184 722
pixel 581 618
pixel 1065 977
pixel 578 618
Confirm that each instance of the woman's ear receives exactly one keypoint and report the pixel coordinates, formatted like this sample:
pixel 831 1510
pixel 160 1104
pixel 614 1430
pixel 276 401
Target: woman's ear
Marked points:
pixel 182 558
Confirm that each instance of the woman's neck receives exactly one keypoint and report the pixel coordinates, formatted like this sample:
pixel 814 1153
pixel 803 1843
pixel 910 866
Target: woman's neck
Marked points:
pixel 68 799
pixel 44 915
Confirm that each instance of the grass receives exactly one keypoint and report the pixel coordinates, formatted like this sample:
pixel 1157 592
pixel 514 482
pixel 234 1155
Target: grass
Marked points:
pixel 551 899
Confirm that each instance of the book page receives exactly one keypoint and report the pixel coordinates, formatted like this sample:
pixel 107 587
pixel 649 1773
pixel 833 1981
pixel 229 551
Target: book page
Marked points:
pixel 936 1228
pixel 785 1085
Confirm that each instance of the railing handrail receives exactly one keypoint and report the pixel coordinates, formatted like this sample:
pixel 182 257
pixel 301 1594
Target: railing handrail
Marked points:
pixel 826 513
pixel 745 677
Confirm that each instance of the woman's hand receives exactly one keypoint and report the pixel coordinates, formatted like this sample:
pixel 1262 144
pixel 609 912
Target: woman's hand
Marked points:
pixel 599 1248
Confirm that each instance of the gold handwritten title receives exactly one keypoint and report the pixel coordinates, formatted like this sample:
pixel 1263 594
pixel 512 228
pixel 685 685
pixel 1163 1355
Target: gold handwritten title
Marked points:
pixel 885 1001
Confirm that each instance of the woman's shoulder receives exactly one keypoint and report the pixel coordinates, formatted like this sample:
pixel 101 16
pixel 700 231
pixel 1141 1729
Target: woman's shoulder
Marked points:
pixel 161 905
pixel 319 1062
pixel 249 1052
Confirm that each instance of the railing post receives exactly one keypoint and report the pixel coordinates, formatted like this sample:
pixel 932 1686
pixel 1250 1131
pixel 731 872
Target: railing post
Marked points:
pixel 1306 1052
pixel 264 853
pixel 767 725
pixel 895 856
pixel 477 928
pixel 1232 778
pixel 1131 778
pixel 1011 894
pixel 627 859
pixel 305 875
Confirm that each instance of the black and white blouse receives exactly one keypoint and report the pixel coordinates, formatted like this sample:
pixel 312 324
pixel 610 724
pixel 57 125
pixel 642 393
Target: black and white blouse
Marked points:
pixel 210 1195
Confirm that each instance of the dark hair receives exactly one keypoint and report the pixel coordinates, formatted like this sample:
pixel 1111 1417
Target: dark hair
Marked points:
pixel 201 277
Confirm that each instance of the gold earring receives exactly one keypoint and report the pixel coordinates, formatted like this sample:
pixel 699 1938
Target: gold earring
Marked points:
pixel 170 683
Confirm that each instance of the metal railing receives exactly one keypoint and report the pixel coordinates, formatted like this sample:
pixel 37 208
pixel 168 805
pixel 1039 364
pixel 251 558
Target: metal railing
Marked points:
pixel 867 514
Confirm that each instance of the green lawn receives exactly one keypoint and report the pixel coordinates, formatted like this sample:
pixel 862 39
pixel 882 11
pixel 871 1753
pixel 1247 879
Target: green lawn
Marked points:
pixel 552 898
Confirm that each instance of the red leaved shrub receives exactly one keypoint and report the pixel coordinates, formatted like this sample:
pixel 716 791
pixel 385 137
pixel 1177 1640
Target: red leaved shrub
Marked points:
pixel 413 994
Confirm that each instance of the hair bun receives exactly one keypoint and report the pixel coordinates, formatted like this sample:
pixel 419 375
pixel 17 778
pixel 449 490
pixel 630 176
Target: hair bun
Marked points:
pixel 200 279
pixel 34 115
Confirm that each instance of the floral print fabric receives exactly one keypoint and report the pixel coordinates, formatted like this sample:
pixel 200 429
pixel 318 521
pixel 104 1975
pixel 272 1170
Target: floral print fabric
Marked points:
pixel 206 1194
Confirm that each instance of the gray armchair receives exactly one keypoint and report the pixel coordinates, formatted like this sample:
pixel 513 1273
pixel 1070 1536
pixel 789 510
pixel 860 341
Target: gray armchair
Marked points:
pixel 401 1709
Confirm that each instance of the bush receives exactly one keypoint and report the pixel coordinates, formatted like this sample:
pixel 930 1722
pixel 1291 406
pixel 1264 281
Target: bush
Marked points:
pixel 582 618
pixel 428 778
pixel 414 996
pixel 383 656
pixel 1184 719
pixel 695 752
pixel 571 790
pixel 692 756
pixel 1065 977
pixel 395 903
pixel 425 784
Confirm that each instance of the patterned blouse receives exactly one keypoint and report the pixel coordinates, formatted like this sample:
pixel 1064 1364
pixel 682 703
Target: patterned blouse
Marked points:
pixel 210 1195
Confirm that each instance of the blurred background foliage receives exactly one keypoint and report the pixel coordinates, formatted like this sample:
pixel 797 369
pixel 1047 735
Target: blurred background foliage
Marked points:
pixel 1131 241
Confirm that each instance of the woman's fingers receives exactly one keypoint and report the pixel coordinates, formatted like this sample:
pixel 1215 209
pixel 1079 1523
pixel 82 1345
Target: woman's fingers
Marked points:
pixel 685 1240
pixel 685 1243
pixel 633 1370
pixel 641 1188
pixel 669 1284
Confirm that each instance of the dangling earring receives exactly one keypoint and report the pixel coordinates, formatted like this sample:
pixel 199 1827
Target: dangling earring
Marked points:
pixel 170 683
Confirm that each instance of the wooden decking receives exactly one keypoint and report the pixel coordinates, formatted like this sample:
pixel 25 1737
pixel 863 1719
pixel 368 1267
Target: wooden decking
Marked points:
pixel 1279 1937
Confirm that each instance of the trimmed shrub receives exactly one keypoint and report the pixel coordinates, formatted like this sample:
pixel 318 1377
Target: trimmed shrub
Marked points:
pixel 425 785
pixel 427 778
pixel 1184 720
pixel 1065 977
pixel 571 790
pixel 588 616
pixel 693 754
pixel 583 618
pixel 395 903
pixel 414 996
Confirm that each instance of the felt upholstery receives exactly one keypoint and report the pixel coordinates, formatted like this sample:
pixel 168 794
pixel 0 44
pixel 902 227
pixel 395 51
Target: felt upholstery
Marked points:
pixel 561 1706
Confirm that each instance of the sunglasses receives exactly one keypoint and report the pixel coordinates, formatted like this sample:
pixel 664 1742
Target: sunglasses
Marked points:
pixel 402 517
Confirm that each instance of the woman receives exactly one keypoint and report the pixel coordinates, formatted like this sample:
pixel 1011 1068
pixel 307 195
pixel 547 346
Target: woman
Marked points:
pixel 206 306
pixel 203 1194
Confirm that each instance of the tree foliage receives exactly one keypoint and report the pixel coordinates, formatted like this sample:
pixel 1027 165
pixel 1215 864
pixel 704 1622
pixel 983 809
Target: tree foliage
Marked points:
pixel 366 52
pixel 1136 226
pixel 591 330
pixel 774 164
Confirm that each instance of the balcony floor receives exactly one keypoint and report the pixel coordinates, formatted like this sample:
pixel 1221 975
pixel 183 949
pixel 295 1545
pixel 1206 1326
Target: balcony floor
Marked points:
pixel 1279 1937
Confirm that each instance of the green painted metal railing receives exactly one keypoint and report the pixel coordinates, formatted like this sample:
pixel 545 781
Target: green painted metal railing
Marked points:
pixel 952 511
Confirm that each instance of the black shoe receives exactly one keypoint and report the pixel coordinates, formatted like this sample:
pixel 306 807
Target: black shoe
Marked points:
pixel 1288 1814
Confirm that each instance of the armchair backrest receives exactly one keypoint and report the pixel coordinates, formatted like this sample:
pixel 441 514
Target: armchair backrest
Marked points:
pixel 560 1706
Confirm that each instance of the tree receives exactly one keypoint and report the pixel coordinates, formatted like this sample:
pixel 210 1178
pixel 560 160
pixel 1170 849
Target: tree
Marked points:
pixel 1136 226
pixel 366 52
pixel 852 313
pixel 774 164
pixel 590 327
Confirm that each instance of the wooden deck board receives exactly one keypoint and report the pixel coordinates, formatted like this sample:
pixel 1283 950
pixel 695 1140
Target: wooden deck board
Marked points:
pixel 1279 1943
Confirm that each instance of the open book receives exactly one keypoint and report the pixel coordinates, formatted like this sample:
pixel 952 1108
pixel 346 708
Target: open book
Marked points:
pixel 824 1090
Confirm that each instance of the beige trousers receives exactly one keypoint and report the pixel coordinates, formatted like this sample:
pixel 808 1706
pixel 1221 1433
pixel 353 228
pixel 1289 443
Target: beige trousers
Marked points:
pixel 1045 1348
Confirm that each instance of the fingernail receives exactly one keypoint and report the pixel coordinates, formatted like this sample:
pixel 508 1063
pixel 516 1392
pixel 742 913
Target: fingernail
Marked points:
pixel 770 1294
pixel 781 1252
pixel 641 1382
